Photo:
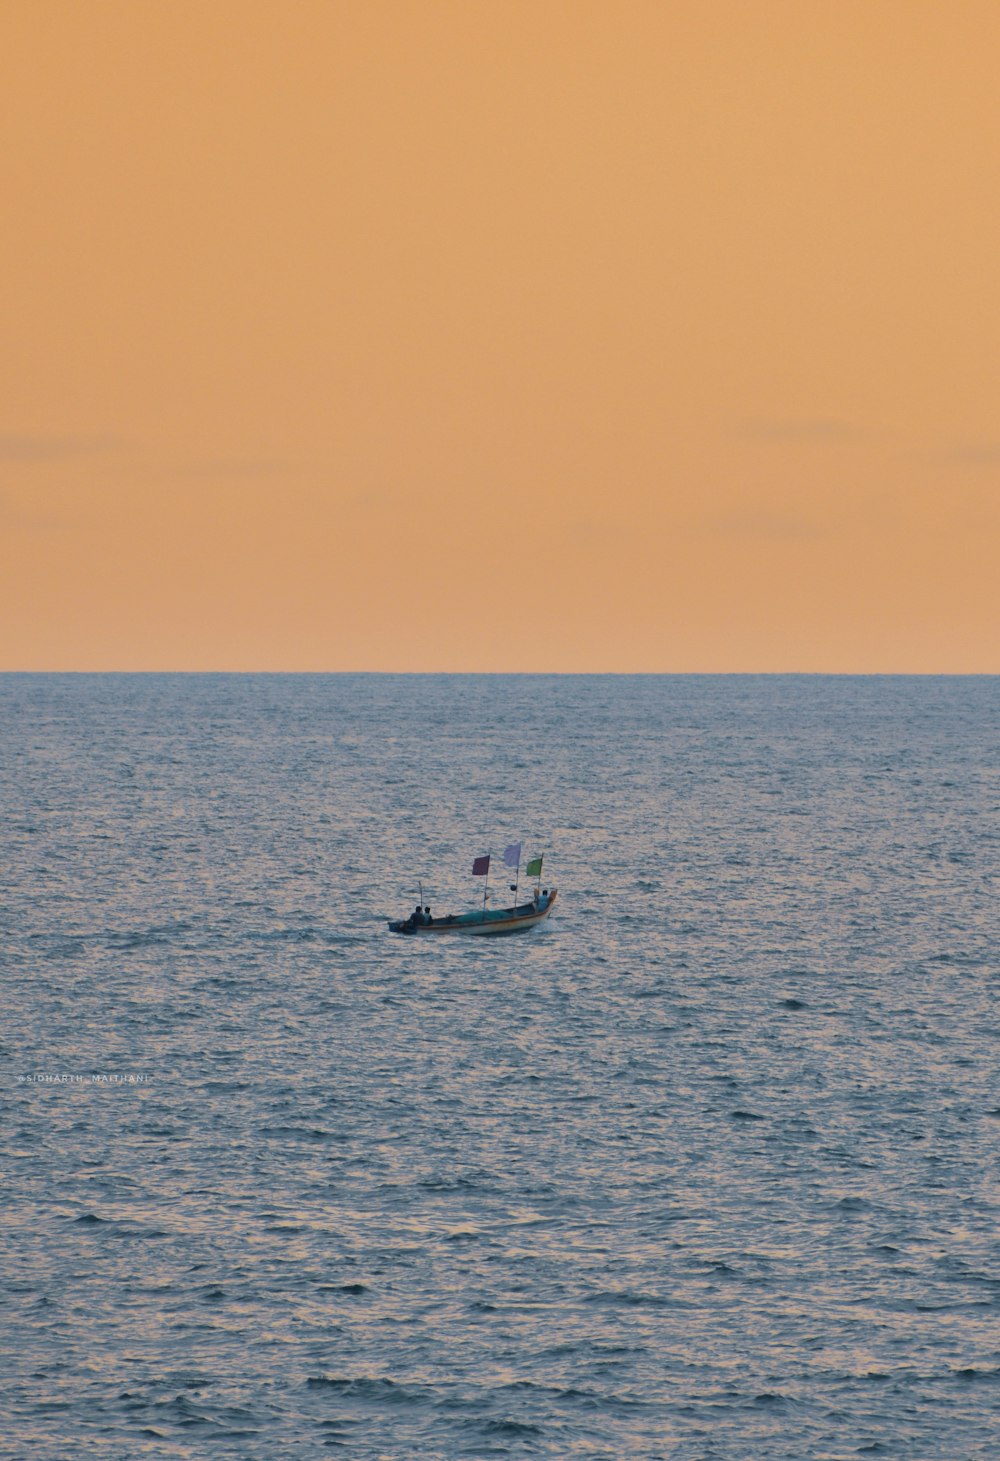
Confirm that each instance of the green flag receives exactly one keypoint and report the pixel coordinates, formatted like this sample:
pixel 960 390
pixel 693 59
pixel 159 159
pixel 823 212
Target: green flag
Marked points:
pixel 534 868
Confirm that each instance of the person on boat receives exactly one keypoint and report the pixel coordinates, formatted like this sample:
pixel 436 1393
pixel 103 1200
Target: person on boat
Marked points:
pixel 427 914
pixel 542 900
pixel 415 917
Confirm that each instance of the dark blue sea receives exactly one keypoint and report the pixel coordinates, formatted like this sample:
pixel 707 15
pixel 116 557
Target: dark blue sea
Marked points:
pixel 705 1167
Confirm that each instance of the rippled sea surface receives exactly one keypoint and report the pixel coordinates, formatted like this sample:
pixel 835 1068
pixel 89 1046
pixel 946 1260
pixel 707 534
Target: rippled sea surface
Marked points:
pixel 708 1166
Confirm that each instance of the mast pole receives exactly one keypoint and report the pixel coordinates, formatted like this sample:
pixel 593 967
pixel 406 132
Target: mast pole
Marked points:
pixel 486 886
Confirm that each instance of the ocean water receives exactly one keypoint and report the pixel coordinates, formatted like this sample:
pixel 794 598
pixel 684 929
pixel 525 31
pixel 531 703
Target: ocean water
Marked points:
pixel 707 1166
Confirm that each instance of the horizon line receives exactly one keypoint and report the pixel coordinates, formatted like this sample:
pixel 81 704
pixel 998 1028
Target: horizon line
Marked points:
pixel 579 674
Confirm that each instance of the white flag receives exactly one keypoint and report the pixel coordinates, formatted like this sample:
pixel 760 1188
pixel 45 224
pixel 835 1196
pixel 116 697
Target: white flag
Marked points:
pixel 512 854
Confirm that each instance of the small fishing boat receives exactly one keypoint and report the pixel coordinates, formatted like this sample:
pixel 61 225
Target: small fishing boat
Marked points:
pixel 482 920
pixel 486 921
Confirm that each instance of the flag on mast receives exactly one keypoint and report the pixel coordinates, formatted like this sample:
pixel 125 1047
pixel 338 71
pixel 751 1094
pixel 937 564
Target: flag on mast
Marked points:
pixel 534 868
pixel 512 855
pixel 481 867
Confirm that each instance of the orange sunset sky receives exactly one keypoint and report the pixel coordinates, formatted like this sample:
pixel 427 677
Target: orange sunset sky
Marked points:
pixel 496 336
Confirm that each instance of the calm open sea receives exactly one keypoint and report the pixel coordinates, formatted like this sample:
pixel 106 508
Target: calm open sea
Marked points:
pixel 708 1166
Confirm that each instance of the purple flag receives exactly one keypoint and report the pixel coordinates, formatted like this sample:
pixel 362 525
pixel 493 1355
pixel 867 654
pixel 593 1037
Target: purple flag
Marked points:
pixel 481 866
pixel 512 854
